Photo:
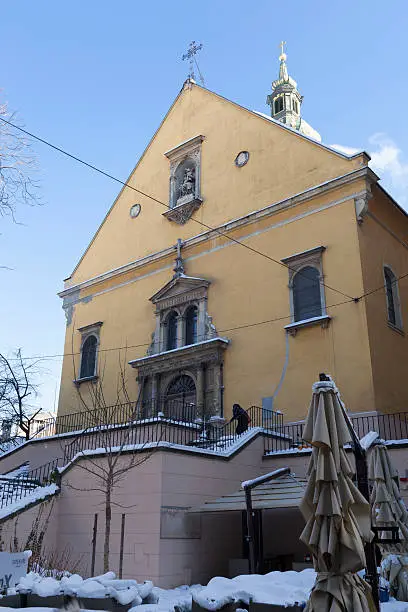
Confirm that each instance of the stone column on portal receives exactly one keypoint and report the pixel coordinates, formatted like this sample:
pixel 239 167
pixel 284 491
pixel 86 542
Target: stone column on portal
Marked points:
pixel 217 418
pixel 158 340
pixel 202 310
pixel 200 405
pixel 181 336
pixel 154 399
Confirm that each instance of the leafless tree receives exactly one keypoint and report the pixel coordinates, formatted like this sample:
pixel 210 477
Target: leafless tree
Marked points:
pixel 17 167
pixel 103 422
pixel 18 388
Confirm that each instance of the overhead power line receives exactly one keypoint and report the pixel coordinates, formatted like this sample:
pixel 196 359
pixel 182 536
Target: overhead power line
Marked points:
pixel 145 344
pixel 201 223
pixel 220 331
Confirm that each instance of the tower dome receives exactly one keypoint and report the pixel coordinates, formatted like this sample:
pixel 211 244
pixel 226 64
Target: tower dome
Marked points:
pixel 285 101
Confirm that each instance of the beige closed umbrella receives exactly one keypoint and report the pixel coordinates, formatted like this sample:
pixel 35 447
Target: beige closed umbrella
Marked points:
pixel 336 513
pixel 388 511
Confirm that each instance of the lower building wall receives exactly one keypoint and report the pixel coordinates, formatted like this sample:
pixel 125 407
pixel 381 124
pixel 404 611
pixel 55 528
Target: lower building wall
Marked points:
pixel 33 529
pixel 162 541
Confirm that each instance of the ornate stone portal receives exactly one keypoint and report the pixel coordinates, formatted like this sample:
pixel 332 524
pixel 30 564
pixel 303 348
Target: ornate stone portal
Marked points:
pixel 182 373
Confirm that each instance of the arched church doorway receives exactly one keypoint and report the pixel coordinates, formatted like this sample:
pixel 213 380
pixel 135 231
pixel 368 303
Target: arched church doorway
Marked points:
pixel 181 398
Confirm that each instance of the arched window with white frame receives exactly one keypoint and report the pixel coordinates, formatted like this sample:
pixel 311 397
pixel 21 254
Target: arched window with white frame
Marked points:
pixel 88 357
pixel 306 294
pixel 392 297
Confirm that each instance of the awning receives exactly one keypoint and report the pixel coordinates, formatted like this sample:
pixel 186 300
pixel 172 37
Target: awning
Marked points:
pixel 284 492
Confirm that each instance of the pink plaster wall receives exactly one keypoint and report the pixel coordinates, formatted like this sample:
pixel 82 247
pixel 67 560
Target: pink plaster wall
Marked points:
pixel 138 497
pixel 189 481
pixel 22 523
pixel 171 479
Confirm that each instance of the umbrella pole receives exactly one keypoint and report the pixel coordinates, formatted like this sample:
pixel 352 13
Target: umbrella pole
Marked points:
pixel 362 484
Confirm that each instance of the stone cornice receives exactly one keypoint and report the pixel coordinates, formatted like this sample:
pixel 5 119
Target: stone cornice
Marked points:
pixel 252 217
pixel 185 146
pixel 209 350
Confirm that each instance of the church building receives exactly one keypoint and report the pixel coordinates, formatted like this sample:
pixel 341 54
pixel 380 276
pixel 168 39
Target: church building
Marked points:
pixel 242 258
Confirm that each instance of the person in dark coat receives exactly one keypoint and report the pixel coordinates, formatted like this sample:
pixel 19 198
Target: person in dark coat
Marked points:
pixel 241 416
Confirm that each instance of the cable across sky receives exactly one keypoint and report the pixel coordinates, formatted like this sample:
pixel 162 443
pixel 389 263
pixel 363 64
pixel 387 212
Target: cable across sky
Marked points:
pixel 167 206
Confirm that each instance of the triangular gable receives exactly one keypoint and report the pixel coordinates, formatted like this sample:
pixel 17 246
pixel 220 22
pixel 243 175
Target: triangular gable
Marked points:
pixel 178 286
pixel 337 170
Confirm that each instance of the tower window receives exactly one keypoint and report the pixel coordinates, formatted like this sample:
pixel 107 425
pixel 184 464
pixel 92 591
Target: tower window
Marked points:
pixel 171 331
pixel 191 325
pixel 393 303
pixel 295 106
pixel 278 105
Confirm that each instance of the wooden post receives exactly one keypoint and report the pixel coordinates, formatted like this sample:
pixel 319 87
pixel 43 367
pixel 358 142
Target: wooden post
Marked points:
pixel 122 538
pixel 94 534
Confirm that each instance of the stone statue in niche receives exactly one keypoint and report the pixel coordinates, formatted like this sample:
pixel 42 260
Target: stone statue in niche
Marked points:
pixel 187 186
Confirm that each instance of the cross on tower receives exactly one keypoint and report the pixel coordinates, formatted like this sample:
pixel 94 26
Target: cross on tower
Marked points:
pixel 282 46
pixel 193 49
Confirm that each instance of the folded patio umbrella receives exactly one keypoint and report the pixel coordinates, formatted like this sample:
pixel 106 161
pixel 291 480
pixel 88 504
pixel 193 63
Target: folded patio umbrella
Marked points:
pixel 336 513
pixel 388 510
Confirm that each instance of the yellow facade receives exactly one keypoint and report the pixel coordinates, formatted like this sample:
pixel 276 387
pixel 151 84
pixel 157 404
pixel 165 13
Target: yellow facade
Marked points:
pixel 293 195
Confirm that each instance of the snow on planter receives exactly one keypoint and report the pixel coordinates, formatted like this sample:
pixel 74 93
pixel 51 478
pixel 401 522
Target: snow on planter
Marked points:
pixel 279 588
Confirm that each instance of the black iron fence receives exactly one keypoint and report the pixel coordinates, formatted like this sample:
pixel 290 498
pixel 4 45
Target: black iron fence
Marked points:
pixel 115 428
pixel 388 426
pixel 13 488
pixel 188 429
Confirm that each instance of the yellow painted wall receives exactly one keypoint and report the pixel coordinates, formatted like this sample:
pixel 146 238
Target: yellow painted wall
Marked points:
pixel 281 164
pixel 389 348
pixel 245 287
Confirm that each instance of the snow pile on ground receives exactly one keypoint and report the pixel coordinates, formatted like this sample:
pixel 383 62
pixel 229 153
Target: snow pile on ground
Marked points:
pixel 280 588
pixel 125 592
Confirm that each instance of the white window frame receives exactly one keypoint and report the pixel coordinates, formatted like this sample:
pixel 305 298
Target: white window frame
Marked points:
pixel 396 299
pixel 295 264
pixel 93 329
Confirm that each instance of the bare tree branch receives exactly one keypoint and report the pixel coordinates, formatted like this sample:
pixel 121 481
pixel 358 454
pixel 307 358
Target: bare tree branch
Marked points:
pixel 18 165
pixel 18 387
pixel 103 421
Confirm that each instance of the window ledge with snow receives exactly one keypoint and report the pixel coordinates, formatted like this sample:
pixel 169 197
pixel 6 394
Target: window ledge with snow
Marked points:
pixel 79 381
pixel 292 328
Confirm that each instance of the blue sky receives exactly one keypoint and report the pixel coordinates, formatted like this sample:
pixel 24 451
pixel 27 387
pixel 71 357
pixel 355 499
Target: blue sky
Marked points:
pixel 96 78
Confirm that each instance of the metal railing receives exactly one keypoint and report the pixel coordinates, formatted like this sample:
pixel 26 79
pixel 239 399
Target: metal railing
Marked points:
pixel 15 488
pixel 388 426
pixel 179 429
pixel 393 426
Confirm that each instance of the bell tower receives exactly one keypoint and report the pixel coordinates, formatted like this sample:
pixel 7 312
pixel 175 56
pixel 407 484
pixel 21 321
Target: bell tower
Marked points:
pixel 285 100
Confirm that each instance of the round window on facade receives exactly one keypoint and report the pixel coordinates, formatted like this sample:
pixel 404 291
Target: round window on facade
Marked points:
pixel 135 210
pixel 242 159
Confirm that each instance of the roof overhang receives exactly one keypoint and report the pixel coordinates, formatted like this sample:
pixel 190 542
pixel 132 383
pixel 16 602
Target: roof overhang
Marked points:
pixel 283 492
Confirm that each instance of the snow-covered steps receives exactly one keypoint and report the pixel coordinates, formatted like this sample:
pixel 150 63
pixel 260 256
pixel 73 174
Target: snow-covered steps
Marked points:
pixel 22 486
pixel 17 503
